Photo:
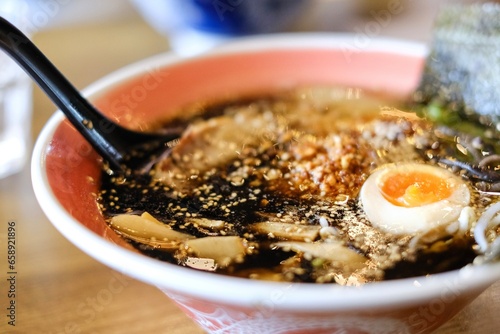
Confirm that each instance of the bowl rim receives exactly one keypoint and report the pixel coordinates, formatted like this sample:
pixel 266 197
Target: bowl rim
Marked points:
pixel 304 297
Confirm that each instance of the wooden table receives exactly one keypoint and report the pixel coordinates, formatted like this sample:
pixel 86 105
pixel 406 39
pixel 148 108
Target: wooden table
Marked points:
pixel 62 290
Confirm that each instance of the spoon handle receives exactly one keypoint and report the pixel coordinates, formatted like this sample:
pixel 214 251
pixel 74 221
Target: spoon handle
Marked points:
pixel 106 137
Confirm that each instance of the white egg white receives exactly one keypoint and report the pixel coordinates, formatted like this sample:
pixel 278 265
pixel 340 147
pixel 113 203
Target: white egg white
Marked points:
pixel 422 219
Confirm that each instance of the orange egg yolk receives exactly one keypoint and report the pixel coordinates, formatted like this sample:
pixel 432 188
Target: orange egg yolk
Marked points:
pixel 414 188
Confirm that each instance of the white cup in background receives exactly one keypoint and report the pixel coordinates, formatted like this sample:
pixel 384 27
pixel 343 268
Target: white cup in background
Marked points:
pixel 15 98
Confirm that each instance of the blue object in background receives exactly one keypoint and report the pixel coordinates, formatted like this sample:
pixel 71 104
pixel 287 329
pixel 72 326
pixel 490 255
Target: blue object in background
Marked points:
pixel 241 17
pixel 193 26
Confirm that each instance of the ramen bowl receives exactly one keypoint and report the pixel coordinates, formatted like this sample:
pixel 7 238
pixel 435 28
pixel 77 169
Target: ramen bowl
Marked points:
pixel 66 176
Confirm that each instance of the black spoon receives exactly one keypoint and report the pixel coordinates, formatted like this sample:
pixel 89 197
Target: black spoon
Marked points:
pixel 113 142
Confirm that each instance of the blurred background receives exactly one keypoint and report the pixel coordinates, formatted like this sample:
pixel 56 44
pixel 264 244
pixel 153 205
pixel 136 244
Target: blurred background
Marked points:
pixel 185 23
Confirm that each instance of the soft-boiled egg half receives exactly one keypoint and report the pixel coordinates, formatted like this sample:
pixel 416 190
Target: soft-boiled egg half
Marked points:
pixel 413 198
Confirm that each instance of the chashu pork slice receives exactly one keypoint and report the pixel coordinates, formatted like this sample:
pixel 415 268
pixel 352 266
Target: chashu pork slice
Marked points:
pixel 213 144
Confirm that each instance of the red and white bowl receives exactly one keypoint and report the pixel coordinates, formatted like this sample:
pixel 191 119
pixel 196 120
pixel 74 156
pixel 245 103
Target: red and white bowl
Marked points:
pixel 66 174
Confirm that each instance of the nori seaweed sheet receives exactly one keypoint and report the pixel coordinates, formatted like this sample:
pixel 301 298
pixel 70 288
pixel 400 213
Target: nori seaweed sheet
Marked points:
pixel 462 71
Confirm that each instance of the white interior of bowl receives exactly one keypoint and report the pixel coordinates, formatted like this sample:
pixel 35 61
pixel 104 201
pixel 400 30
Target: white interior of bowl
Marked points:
pixel 230 290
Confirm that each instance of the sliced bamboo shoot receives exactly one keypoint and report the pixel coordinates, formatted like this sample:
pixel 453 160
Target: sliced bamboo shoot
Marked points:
pixel 210 224
pixel 200 263
pixel 261 274
pixel 331 251
pixel 287 231
pixel 146 227
pixel 224 250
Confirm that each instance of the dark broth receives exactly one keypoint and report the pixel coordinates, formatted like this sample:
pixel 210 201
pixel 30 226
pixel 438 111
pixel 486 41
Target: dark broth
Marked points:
pixel 286 172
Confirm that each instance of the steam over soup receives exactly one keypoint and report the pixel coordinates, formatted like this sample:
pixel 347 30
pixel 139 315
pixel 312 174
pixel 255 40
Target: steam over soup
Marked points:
pixel 323 185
